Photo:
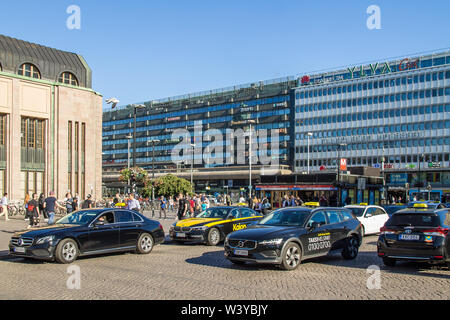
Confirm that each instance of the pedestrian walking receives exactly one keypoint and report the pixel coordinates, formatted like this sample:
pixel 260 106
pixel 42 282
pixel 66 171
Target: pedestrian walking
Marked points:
pixel 171 204
pixel 68 201
pixel 323 202
pixel 228 200
pixel 88 203
pixel 4 206
pixel 163 207
pixel 50 204
pixel 204 206
pixel 25 204
pixel 265 207
pixel 182 207
pixel 41 206
pixel 33 211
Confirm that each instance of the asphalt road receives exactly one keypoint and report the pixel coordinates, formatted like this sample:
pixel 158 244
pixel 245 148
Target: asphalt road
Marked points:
pixel 194 271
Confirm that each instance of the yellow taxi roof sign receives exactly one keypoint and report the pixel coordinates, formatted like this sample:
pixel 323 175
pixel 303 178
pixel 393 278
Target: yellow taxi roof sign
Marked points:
pixel 120 204
pixel 420 205
pixel 312 204
pixel 363 204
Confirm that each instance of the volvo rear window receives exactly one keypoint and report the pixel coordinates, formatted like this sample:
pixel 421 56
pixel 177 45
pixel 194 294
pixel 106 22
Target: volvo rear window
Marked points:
pixel 414 220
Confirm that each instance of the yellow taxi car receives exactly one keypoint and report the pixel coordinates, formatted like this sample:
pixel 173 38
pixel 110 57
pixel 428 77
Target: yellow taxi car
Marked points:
pixel 213 225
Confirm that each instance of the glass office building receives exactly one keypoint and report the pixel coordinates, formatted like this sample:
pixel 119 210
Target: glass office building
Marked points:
pixel 393 114
pixel 267 103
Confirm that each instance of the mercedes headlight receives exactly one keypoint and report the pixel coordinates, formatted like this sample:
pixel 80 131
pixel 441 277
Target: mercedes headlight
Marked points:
pixel 45 239
pixel 271 242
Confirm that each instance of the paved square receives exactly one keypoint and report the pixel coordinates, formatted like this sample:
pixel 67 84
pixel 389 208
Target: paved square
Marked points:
pixel 194 271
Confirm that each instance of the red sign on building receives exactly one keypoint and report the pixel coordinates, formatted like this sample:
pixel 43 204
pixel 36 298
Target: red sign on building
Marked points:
pixel 343 165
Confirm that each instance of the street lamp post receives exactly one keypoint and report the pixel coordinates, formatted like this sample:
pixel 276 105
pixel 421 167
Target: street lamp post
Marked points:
pixel 135 107
pixel 338 167
pixel 192 167
pixel 419 184
pixel 128 137
pixel 384 200
pixel 250 122
pixel 309 134
pixel 153 174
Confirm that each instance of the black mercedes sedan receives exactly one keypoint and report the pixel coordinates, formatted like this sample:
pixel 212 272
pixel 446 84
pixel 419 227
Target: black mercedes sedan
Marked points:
pixel 89 232
pixel 287 236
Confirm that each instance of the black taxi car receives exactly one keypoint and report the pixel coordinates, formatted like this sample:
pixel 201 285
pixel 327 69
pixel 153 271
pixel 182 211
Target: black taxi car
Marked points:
pixel 289 235
pixel 420 233
pixel 88 232
pixel 212 225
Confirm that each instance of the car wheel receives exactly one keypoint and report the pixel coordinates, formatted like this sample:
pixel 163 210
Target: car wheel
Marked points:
pixel 213 237
pixel 291 256
pixel 66 251
pixel 389 262
pixel 351 248
pixel 145 243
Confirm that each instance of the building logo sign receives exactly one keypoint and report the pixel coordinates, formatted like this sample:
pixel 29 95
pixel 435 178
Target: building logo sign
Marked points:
pixel 371 71
pixel 434 164
pixel 305 79
pixel 406 64
pixel 364 71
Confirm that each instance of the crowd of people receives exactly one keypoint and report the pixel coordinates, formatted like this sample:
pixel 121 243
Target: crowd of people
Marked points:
pixel 44 208
pixel 190 206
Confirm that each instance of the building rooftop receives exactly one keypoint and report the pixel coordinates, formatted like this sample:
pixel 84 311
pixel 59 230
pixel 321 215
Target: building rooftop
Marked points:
pixel 50 62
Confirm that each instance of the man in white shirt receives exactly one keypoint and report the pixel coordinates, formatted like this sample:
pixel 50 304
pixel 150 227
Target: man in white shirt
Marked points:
pixel 4 204
pixel 133 204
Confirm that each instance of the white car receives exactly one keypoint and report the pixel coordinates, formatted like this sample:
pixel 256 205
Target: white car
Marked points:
pixel 371 217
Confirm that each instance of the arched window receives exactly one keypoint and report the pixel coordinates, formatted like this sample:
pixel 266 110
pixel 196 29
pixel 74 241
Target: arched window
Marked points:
pixel 29 70
pixel 68 78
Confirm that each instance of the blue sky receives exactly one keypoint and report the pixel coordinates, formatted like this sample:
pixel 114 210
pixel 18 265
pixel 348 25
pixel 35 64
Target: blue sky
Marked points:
pixel 141 50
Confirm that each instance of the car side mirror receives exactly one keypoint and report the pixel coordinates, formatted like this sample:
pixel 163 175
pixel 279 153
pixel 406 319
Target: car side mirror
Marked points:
pixel 369 215
pixel 99 223
pixel 315 225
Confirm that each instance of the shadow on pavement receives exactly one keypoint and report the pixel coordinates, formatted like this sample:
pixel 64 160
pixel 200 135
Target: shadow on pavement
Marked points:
pixel 4 256
pixel 217 259
pixel 402 267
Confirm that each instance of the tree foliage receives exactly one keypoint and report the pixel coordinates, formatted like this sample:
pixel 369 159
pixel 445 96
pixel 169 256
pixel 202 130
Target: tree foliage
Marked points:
pixel 170 185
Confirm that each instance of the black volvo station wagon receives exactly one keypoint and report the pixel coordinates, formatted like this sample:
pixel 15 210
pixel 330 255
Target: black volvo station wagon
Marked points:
pixel 289 235
pixel 89 232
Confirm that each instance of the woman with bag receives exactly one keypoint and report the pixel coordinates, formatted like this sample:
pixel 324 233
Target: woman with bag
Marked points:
pixel 33 211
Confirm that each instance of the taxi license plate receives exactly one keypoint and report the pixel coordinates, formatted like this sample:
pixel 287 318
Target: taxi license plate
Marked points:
pixel 241 252
pixel 19 250
pixel 181 235
pixel 409 237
